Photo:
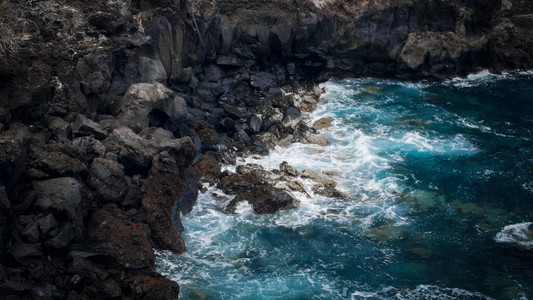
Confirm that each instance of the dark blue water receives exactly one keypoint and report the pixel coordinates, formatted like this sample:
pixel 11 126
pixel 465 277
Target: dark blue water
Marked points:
pixel 436 173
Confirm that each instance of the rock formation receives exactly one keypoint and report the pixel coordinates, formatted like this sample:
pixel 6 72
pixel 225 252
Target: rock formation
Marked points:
pixel 112 111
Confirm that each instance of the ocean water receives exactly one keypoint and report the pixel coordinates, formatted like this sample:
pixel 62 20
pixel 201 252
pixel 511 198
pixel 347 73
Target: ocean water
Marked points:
pixel 440 177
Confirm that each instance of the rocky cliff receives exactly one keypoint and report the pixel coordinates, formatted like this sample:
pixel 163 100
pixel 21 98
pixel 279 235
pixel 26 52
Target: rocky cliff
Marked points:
pixel 112 111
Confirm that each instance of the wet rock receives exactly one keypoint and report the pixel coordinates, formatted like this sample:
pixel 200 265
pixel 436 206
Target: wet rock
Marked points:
pixel 208 168
pixel 308 173
pixel 322 123
pixel 66 198
pixel 307 135
pixel 129 241
pixel 328 190
pixel 288 169
pixel 83 126
pixel 265 200
pixel 331 173
pixel 153 287
pixel 308 104
pixel 291 118
pixel 237 183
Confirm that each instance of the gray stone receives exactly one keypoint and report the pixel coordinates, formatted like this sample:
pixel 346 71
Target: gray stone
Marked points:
pixel 63 194
pixel 83 126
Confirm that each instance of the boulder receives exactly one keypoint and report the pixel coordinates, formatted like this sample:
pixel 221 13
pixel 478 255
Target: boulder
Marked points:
pixel 58 164
pixel 237 183
pixel 134 152
pixel 109 180
pixel 83 126
pixel 291 118
pixel 129 241
pixel 328 190
pixel 265 200
pixel 66 198
pixel 322 123
pixel 308 135
pixel 146 104
pixel 208 168
pixel 288 169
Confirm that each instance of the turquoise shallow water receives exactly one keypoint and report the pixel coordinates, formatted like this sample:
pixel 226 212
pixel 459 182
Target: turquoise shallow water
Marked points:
pixel 437 171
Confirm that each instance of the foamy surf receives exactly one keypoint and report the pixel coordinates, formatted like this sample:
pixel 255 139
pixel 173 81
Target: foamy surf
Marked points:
pixel 520 234
pixel 429 171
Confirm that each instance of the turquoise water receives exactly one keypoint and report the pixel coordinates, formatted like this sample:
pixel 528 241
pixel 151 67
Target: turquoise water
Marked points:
pixel 436 172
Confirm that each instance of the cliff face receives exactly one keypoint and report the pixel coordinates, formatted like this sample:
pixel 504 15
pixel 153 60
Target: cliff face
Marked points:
pixel 111 111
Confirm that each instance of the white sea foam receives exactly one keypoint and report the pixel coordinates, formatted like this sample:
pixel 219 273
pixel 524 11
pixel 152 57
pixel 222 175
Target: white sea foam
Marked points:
pixel 520 234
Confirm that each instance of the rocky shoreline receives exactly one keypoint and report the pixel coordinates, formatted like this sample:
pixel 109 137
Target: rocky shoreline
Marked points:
pixel 112 112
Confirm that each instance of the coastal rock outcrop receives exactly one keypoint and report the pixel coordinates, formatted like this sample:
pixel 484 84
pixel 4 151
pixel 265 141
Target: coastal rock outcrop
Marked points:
pixel 111 111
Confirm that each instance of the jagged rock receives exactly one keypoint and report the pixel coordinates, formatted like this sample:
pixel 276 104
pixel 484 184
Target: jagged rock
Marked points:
pixel 60 130
pixel 86 127
pixel 108 179
pixel 308 135
pixel 164 188
pixel 146 105
pixel 254 124
pixel 328 190
pixel 66 198
pixel 208 168
pixel 129 241
pixel 85 149
pixel 237 183
pixel 291 117
pixel 322 123
pixel 308 173
pixel 308 104
pixel 265 200
pixel 134 152
pixel 59 164
pixel 288 169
